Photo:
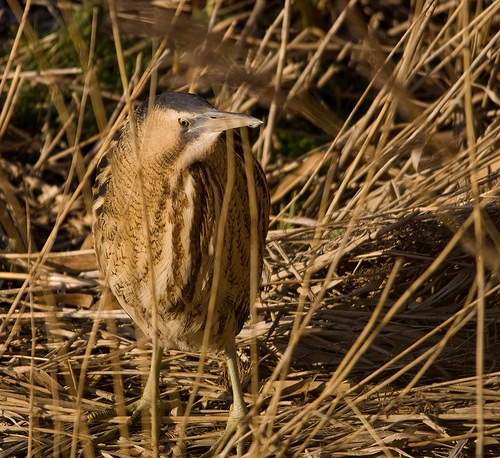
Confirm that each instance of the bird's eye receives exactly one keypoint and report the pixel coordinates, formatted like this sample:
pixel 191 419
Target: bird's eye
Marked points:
pixel 183 122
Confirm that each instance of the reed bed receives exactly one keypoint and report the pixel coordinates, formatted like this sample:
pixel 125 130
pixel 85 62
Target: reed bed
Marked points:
pixel 376 332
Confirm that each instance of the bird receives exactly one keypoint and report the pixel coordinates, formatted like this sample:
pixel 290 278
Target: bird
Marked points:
pixel 175 233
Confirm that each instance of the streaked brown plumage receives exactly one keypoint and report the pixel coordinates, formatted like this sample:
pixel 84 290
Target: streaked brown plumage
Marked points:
pixel 157 204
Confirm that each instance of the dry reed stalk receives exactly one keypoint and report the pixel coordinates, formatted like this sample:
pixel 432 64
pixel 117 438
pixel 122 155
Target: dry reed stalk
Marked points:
pixel 376 331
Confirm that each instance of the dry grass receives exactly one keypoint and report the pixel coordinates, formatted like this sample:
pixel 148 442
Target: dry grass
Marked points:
pixel 377 331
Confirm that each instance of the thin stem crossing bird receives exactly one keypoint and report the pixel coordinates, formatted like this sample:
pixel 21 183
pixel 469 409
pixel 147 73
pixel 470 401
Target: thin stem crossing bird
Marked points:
pixel 165 246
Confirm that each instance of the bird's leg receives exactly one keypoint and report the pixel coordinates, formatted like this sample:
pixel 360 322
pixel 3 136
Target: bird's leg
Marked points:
pixel 150 395
pixel 237 420
pixel 146 400
pixel 239 410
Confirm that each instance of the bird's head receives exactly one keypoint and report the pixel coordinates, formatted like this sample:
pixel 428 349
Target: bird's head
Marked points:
pixel 181 128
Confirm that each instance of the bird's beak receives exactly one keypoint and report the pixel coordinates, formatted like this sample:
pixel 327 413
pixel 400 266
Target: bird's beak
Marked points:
pixel 219 121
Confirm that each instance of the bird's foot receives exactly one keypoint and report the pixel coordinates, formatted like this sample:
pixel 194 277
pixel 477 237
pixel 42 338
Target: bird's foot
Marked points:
pixel 134 410
pixel 236 422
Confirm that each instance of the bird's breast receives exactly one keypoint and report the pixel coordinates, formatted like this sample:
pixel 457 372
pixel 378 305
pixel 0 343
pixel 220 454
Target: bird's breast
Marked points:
pixel 156 246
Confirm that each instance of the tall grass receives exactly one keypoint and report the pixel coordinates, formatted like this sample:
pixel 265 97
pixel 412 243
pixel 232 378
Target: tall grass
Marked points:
pixel 376 331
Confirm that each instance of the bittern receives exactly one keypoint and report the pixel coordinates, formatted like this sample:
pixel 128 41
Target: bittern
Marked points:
pixel 164 244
